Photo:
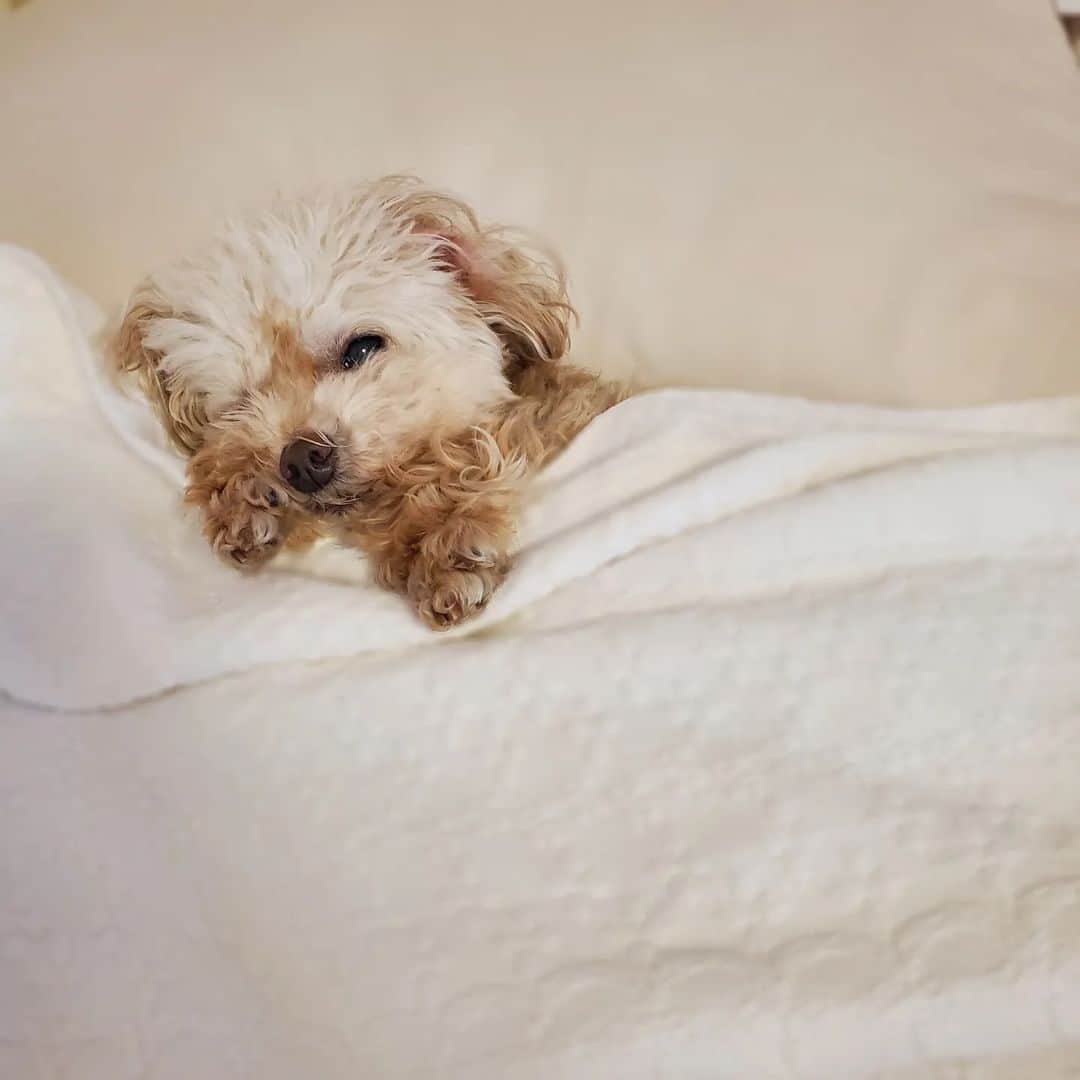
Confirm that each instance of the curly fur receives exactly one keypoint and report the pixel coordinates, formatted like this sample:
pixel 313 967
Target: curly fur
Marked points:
pixel 434 438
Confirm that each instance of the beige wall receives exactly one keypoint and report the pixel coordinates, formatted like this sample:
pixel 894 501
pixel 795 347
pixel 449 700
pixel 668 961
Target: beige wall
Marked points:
pixel 842 199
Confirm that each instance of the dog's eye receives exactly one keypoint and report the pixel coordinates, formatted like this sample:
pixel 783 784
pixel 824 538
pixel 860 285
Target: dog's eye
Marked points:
pixel 361 349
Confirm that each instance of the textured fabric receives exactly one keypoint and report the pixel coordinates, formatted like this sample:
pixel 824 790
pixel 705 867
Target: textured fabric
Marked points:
pixel 763 764
pixel 845 199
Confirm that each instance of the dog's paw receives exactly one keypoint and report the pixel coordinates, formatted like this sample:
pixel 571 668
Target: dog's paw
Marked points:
pixel 445 595
pixel 245 520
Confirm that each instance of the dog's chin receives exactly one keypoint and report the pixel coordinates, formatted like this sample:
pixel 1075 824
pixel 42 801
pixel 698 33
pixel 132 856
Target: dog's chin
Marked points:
pixel 336 503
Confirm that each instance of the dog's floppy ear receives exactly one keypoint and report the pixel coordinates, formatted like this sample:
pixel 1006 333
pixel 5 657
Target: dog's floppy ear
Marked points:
pixel 180 411
pixel 518 286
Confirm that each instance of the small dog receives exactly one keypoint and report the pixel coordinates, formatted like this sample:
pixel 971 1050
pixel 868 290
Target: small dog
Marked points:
pixel 374 366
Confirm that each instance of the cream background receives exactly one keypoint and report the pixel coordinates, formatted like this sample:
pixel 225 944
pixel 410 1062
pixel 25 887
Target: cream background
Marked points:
pixel 844 199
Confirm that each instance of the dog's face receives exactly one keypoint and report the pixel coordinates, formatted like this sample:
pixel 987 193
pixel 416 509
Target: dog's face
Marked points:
pixel 327 338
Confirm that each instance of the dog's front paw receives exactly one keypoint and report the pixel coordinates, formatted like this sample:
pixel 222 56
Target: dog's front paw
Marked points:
pixel 245 520
pixel 444 595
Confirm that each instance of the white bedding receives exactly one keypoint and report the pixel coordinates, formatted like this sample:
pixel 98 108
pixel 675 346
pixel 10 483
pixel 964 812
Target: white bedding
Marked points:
pixel 762 764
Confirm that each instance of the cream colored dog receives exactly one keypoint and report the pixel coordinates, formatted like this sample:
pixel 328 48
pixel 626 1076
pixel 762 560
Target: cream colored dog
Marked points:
pixel 373 365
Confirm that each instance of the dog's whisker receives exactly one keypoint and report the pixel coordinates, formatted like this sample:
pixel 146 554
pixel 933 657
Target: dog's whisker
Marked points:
pixel 322 440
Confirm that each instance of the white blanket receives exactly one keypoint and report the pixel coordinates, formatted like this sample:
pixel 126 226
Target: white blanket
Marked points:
pixel 763 762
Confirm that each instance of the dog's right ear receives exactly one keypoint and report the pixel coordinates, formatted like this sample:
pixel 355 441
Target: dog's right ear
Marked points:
pixel 133 351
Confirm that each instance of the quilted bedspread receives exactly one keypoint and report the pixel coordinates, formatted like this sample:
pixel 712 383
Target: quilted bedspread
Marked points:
pixel 763 763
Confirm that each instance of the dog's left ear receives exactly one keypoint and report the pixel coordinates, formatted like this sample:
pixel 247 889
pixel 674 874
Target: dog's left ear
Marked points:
pixel 518 286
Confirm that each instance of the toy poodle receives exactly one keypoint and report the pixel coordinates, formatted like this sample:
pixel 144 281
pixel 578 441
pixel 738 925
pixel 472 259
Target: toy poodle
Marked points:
pixel 371 365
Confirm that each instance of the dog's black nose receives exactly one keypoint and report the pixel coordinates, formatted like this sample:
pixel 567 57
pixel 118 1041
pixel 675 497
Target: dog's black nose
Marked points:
pixel 307 464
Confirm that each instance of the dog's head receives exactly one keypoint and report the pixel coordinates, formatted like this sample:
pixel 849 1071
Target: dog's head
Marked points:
pixel 334 334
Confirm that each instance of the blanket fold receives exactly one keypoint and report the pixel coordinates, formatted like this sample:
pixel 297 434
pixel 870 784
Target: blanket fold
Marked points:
pixel 113 596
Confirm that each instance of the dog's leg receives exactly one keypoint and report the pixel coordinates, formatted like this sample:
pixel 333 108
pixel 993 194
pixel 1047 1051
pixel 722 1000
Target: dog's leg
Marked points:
pixel 246 508
pixel 438 523
pixel 438 526
pixel 459 564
